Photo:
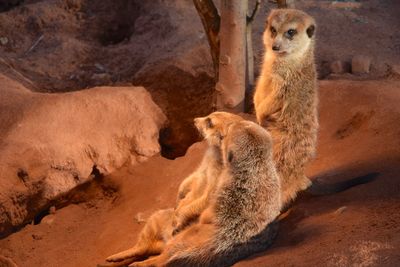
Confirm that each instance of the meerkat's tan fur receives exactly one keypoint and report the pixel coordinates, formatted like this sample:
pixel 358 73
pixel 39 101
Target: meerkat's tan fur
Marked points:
pixel 246 201
pixel 286 98
pixel 193 195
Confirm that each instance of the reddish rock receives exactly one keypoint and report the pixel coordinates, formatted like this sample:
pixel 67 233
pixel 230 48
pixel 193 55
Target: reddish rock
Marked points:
pixel 50 143
pixel 360 64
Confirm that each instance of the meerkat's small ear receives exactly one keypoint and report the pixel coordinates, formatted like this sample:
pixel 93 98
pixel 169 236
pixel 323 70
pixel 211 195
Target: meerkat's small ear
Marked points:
pixel 310 31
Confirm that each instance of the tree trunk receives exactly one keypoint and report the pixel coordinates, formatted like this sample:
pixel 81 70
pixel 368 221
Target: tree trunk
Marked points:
pixel 232 63
pixel 211 22
pixel 250 60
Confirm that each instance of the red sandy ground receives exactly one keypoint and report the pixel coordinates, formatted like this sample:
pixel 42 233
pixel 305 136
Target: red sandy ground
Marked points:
pixel 359 133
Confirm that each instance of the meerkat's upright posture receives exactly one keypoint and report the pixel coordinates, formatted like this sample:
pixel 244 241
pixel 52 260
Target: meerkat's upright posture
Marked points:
pixel 239 221
pixel 193 195
pixel 286 98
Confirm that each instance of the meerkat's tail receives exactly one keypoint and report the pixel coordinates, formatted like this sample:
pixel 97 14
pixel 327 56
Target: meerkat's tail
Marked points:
pixel 213 254
pixel 318 187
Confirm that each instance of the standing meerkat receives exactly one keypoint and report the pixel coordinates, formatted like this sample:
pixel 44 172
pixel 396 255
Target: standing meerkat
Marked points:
pixel 193 195
pixel 286 101
pixel 285 98
pixel 240 219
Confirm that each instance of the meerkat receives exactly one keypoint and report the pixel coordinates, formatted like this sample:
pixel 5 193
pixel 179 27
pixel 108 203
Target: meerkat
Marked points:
pixel 286 99
pixel 193 194
pixel 195 191
pixel 286 102
pixel 240 220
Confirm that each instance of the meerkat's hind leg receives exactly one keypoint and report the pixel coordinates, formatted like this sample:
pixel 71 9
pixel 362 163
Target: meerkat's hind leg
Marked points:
pixel 189 213
pixel 126 254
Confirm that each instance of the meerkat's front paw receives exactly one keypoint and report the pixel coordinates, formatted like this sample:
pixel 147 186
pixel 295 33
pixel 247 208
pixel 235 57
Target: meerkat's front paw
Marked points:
pixel 259 118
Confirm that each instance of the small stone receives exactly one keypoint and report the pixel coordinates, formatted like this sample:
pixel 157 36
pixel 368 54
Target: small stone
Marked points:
pixel 3 40
pixel 360 64
pixel 52 210
pixel 49 219
pixel 340 210
pixel 380 69
pixel 338 67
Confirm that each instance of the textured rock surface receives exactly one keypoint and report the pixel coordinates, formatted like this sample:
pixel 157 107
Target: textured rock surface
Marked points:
pixel 50 143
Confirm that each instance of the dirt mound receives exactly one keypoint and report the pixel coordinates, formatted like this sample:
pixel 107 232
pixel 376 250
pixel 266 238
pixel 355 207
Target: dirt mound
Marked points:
pixel 50 143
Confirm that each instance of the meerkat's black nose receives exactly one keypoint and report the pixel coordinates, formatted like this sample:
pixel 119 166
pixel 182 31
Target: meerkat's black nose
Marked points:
pixel 276 47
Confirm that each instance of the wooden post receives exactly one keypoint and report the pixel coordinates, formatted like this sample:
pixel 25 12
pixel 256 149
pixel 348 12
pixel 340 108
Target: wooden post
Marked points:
pixel 232 62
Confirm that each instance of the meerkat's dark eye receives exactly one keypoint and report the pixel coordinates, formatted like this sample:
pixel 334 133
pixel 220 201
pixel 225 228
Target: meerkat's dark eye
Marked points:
pixel 290 33
pixel 273 30
pixel 209 123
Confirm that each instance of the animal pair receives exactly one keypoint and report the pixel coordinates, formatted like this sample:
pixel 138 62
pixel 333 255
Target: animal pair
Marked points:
pixel 225 209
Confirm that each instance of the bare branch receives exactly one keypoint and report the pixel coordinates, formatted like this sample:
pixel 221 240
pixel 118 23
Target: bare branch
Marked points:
pixel 34 45
pixel 211 22
pixel 255 10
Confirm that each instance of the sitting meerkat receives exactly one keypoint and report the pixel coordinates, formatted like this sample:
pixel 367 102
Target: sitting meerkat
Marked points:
pixel 193 195
pixel 195 191
pixel 286 101
pixel 240 220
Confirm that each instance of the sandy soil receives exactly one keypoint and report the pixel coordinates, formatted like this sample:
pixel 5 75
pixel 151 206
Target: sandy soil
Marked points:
pixel 359 227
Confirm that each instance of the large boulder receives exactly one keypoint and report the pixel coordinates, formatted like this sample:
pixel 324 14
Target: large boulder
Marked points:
pixel 50 143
